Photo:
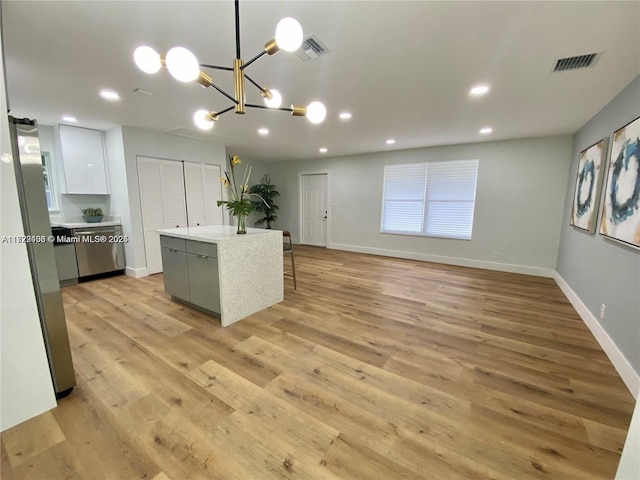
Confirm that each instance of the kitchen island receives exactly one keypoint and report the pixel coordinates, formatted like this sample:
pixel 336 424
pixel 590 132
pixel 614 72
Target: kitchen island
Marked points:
pixel 222 273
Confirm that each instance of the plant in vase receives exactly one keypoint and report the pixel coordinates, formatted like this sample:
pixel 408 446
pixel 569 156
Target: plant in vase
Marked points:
pixel 92 215
pixel 239 197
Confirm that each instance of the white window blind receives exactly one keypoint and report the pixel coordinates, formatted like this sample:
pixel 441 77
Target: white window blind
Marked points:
pixel 434 199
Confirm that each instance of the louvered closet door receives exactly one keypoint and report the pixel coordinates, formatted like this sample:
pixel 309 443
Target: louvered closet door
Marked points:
pixel 150 182
pixel 162 202
pixel 195 193
pixel 203 190
pixel 212 186
pixel 175 213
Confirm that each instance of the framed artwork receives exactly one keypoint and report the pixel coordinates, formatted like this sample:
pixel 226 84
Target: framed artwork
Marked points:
pixel 588 184
pixel 621 206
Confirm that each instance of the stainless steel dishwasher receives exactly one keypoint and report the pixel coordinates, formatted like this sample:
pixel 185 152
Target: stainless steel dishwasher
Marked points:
pixel 99 250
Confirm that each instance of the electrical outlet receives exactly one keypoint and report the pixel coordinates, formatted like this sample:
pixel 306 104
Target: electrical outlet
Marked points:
pixel 603 309
pixel 496 256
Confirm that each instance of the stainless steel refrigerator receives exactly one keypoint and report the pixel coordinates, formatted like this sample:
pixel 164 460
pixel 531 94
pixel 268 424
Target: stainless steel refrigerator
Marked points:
pixel 35 218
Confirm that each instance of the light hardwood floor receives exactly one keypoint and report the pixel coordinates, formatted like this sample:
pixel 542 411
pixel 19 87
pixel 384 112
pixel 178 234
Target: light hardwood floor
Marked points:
pixel 375 368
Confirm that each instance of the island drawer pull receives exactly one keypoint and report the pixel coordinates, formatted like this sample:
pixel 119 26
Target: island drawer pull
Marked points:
pixel 173 250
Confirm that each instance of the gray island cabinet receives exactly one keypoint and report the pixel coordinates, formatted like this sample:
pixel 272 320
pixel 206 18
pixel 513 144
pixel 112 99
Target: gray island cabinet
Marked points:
pixel 219 272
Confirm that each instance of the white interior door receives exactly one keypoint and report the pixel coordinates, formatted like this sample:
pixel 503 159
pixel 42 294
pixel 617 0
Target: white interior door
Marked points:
pixel 314 209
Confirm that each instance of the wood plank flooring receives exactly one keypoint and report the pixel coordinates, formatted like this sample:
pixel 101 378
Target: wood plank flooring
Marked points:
pixel 374 368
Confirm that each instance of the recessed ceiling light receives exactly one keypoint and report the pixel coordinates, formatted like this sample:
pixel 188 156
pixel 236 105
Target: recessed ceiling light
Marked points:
pixel 486 130
pixel 69 118
pixel 109 95
pixel 263 131
pixel 345 115
pixel 323 150
pixel 391 141
pixel 479 90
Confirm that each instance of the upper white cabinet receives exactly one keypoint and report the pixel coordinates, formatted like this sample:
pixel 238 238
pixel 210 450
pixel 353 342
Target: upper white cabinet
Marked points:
pixel 83 159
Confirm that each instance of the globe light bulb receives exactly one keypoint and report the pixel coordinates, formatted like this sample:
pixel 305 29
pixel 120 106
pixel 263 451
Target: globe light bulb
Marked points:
pixel 276 99
pixel 147 59
pixel 316 112
pixel 203 120
pixel 182 64
pixel 288 34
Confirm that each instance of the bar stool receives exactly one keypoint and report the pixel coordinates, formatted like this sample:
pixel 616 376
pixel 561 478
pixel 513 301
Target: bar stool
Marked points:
pixel 288 248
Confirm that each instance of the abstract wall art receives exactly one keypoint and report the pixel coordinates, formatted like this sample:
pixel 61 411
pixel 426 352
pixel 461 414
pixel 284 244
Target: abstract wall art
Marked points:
pixel 621 206
pixel 588 183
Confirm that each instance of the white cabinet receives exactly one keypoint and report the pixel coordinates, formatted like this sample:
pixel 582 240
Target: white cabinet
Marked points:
pixel 83 159
pixel 174 194
pixel 203 190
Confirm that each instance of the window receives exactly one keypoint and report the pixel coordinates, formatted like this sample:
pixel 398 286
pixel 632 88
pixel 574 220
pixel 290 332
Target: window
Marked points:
pixel 49 183
pixel 434 199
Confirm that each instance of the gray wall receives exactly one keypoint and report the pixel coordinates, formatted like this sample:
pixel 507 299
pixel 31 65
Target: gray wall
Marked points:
pixel 598 270
pixel 520 193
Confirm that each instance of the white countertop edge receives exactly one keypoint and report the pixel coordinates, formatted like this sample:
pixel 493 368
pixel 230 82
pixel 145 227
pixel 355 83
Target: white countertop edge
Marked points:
pixel 215 233
pixel 85 224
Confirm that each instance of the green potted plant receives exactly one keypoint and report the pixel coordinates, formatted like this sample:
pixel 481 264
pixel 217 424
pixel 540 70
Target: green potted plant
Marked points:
pixel 92 215
pixel 267 193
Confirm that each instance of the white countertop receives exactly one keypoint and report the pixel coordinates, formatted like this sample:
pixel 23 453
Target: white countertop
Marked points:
pixel 214 233
pixel 85 224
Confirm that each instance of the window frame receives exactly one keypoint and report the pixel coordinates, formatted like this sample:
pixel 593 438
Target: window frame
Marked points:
pixel 425 201
pixel 50 181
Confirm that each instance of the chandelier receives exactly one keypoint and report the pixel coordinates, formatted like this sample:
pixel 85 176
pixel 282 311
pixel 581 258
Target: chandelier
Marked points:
pixel 184 67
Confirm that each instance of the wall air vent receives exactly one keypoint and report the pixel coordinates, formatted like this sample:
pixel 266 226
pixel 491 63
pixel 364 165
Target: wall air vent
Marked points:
pixel 311 48
pixel 577 62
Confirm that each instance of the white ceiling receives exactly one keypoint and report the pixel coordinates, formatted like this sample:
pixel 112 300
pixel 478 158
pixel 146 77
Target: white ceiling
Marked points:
pixel 404 69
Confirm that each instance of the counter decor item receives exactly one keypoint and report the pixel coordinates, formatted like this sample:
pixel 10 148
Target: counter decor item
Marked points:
pixel 267 208
pixel 92 215
pixel 238 195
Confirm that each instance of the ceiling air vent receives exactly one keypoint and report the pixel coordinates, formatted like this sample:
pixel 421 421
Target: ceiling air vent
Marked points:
pixel 195 134
pixel 311 48
pixel 574 63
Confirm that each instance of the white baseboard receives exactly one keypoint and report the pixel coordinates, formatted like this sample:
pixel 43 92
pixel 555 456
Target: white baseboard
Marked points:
pixel 629 376
pixel 463 262
pixel 137 272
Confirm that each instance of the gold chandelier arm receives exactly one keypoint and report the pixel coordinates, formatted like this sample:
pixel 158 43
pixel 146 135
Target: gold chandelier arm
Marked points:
pixel 204 80
pixel 264 107
pixel 298 111
pixel 224 93
pixel 228 109
pixel 271 47
pixel 262 89
pixel 254 59
pixel 217 67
